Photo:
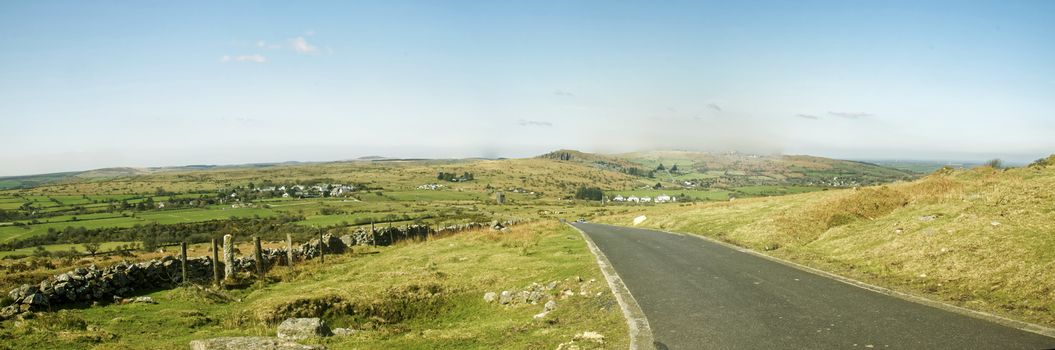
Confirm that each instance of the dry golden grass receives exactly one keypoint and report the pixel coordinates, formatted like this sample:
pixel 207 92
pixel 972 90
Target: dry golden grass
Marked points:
pixel 982 238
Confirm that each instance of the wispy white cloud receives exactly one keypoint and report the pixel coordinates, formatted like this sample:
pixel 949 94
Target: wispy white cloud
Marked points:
pixel 559 92
pixel 715 106
pixel 539 123
pixel 243 58
pixel 263 44
pixel 301 45
pixel 807 116
pixel 851 115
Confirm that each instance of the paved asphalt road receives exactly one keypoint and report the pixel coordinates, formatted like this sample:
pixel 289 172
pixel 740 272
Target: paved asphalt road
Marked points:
pixel 698 294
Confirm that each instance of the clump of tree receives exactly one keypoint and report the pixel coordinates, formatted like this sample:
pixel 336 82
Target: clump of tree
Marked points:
pixel 589 193
pixel 92 247
pixel 452 177
pixel 639 172
pixel 660 167
pixel 995 163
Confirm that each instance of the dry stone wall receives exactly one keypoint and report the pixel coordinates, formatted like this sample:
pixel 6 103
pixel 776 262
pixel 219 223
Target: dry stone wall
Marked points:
pixel 125 279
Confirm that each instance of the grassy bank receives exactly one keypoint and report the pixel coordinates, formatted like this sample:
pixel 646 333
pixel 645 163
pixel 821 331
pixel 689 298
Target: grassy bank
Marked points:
pixel 981 238
pixel 412 296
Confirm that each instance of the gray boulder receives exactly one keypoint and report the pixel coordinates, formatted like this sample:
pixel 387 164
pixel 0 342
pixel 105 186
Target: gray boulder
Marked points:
pixel 490 297
pixel 241 343
pixel 550 306
pixel 303 328
pixel 505 298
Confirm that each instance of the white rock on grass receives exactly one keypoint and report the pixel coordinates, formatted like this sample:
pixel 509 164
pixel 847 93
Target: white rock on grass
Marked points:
pixel 239 343
pixel 550 306
pixel 490 297
pixel 341 332
pixel 505 298
pixel 303 328
pixel 590 337
pixel 568 346
pixel 540 315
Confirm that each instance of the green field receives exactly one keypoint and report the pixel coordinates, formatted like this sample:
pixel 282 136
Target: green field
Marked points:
pixel 103 247
pixel 458 270
pixel 8 233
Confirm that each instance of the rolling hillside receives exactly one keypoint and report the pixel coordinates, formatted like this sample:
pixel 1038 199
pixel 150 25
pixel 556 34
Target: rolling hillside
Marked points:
pixel 981 238
pixel 738 169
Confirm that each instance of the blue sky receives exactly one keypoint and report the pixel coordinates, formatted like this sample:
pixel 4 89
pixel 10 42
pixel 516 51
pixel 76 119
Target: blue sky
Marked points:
pixel 99 84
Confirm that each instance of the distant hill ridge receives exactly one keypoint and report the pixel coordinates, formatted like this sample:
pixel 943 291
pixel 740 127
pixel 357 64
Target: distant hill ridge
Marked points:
pixel 728 169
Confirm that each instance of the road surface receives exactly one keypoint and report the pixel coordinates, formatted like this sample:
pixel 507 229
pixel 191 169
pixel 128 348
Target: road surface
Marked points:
pixel 698 294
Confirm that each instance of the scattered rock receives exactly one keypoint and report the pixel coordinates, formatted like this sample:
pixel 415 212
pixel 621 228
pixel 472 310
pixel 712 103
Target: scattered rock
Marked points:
pixel 523 297
pixel 568 346
pixel 540 315
pixel 590 337
pixel 144 300
pixel 505 298
pixel 534 297
pixel 926 218
pixel 995 223
pixel 343 332
pixel 241 343
pixel 303 328
pixel 490 297
pixel 550 306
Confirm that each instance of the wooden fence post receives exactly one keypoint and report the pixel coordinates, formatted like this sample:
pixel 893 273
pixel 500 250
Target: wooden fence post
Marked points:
pixel 259 257
pixel 183 260
pixel 215 263
pixel 289 250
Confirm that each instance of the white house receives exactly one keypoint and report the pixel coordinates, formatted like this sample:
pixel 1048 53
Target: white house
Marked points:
pixel 663 198
pixel 633 199
pixel 646 199
pixel 619 198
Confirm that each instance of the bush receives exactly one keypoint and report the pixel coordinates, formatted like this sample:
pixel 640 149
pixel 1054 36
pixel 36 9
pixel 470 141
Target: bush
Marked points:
pixel 1043 162
pixel 589 193
pixel 995 163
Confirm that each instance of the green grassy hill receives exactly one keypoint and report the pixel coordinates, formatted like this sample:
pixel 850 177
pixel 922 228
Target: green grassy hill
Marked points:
pixel 982 238
pixel 738 169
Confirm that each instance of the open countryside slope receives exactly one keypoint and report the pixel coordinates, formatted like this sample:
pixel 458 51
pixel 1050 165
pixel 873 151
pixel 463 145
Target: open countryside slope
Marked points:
pixel 982 238
pixel 425 295
pixel 699 294
pixel 739 169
